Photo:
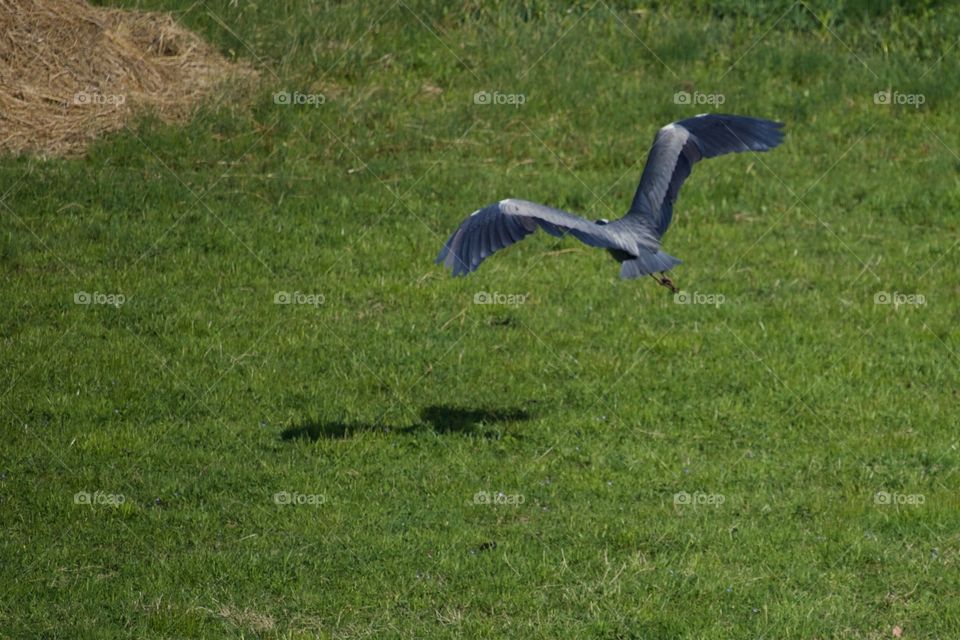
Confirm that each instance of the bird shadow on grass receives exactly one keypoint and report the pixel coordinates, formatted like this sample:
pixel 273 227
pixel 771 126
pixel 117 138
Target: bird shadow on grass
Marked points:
pixel 440 419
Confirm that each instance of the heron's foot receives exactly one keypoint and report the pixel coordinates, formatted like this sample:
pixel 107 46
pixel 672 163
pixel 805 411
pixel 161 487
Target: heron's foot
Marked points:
pixel 667 282
pixel 663 280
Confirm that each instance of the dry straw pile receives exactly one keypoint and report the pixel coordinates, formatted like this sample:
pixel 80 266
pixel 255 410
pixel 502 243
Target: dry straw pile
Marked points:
pixel 70 72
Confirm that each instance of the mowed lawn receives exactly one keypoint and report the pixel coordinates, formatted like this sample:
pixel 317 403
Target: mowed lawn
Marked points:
pixel 772 455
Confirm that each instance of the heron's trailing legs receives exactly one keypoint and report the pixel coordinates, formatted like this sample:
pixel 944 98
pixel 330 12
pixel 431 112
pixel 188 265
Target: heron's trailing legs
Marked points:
pixel 665 281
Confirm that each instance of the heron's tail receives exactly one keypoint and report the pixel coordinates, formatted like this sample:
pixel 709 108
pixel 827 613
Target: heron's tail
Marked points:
pixel 646 263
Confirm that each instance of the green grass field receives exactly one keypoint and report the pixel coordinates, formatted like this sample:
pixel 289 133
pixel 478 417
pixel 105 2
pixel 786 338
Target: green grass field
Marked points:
pixel 386 458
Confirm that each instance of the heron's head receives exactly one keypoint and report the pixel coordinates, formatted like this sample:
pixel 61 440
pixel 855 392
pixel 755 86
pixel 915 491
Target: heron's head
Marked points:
pixel 601 221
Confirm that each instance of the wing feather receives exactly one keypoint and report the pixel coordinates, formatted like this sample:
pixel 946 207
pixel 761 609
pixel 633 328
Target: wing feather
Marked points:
pixel 503 234
pixel 502 224
pixel 680 145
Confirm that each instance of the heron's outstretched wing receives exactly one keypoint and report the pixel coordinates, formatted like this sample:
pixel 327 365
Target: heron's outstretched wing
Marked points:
pixel 506 222
pixel 680 145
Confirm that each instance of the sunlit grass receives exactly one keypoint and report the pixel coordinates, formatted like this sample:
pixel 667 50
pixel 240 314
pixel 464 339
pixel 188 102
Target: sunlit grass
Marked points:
pixel 810 424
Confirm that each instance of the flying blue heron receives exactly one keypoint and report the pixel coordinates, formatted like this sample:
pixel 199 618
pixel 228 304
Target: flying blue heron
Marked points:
pixel 633 240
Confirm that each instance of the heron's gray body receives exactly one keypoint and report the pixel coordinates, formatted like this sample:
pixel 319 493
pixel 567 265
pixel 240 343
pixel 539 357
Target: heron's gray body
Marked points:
pixel 633 240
